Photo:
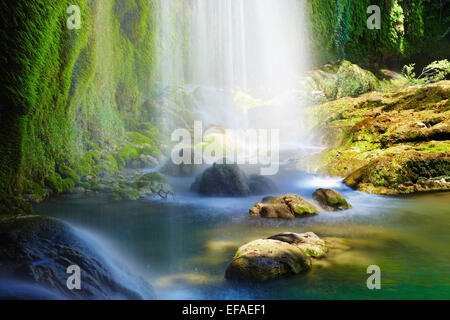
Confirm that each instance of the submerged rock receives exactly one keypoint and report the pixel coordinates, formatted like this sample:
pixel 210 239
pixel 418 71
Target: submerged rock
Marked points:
pixel 330 200
pixel 287 207
pixel 38 250
pixel 282 254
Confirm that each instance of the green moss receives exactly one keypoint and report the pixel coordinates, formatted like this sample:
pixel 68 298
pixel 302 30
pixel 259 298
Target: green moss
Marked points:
pixel 109 164
pixel 126 155
pixel 138 138
pixel 68 172
pixel 434 146
pixel 67 184
pixel 55 182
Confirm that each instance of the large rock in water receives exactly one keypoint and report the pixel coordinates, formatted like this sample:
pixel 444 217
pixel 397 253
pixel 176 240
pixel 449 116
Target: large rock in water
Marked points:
pixel 35 253
pixel 222 180
pixel 287 207
pixel 330 200
pixel 286 253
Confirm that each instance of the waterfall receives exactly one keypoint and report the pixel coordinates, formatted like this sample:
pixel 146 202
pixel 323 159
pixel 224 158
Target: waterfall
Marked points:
pixel 250 45
pixel 242 59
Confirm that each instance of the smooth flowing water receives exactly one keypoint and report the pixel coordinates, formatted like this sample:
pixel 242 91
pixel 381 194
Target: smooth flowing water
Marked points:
pixel 256 49
pixel 182 246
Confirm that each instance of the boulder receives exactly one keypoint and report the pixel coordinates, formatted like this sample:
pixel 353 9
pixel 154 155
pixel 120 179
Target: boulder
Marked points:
pixel 36 251
pixel 330 200
pixel 261 185
pixel 266 259
pixel 287 207
pixel 308 242
pixel 222 180
pixel 282 254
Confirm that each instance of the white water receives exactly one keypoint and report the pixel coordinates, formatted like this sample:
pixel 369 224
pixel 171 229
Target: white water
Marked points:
pixel 242 60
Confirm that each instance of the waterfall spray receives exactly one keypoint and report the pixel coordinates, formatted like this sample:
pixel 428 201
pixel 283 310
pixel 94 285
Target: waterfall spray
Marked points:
pixel 245 48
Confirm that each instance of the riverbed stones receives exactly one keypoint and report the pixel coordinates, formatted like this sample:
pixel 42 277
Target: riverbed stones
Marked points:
pixel 282 254
pixel 330 200
pixel 286 207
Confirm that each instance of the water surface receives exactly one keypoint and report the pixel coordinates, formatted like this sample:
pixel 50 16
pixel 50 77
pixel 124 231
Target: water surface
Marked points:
pixel 182 246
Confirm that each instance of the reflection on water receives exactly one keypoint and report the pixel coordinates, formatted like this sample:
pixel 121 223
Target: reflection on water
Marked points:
pixel 183 246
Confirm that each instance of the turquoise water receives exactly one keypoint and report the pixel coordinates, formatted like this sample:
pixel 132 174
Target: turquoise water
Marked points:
pixel 182 246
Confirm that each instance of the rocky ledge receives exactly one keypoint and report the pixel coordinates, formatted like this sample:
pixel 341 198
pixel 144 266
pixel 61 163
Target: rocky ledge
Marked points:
pixel 395 142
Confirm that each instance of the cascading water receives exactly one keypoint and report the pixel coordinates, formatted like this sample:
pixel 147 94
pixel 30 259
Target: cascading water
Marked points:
pixel 242 60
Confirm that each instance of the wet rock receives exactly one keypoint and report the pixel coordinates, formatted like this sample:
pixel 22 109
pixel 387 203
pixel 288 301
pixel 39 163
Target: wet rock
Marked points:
pixel 222 180
pixel 308 242
pixel 330 200
pixel 287 207
pixel 261 185
pixel 266 259
pixel 38 250
pixel 405 173
pixel 282 254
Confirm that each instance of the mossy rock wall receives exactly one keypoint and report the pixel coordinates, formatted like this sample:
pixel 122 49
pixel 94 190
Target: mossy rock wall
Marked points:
pixel 69 96
pixel 410 29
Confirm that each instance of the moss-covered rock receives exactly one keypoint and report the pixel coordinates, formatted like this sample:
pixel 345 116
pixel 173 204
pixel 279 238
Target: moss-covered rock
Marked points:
pixel 309 243
pixel 282 254
pixel 331 200
pixel 266 259
pixel 403 173
pixel 390 143
pixel 286 207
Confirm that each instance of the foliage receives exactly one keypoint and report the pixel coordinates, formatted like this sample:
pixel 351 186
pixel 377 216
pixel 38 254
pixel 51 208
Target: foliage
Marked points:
pixel 408 28
pixel 434 72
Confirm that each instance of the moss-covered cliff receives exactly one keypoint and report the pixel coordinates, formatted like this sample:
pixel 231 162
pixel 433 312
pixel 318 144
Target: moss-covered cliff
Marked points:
pixel 77 105
pixel 410 30
pixel 69 96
